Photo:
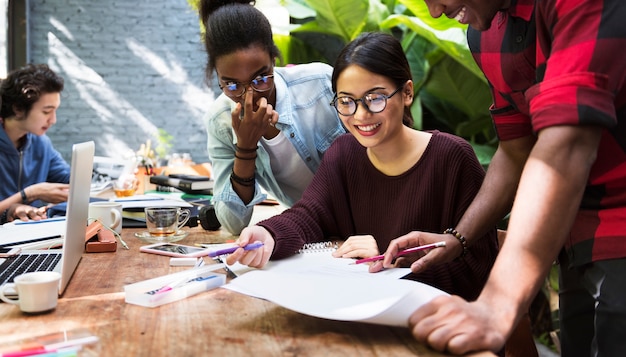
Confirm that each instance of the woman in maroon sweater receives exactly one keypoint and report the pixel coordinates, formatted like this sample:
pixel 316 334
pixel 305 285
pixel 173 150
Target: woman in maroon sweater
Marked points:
pixel 384 179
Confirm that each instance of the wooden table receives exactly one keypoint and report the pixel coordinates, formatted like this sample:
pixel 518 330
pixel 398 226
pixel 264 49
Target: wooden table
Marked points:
pixel 217 322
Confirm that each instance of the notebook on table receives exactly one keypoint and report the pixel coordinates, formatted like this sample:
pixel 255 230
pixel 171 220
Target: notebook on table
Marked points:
pixel 63 260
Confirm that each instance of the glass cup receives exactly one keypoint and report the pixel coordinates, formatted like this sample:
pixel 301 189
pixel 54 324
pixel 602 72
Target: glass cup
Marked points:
pixel 125 186
pixel 165 221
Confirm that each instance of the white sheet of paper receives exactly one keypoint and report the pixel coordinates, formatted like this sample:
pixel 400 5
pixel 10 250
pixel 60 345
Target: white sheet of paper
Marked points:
pixel 319 285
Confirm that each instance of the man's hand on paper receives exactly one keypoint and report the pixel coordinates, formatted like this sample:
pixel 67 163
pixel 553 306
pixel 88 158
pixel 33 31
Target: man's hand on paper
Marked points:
pixel 449 323
pixel 256 258
pixel 363 246
pixel 419 261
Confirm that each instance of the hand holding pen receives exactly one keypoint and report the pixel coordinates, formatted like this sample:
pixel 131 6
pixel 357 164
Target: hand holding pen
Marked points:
pixel 255 258
pixel 403 252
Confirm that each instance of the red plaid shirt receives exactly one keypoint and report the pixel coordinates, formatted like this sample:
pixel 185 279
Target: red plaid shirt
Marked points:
pixel 564 63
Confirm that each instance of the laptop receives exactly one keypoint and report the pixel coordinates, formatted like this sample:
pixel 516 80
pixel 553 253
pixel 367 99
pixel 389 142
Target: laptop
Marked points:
pixel 66 259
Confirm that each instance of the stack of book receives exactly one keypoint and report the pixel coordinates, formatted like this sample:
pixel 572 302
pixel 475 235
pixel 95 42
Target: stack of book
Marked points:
pixel 193 184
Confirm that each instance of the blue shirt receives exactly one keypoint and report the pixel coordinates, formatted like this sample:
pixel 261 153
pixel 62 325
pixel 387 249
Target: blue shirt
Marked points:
pixel 303 94
pixel 37 161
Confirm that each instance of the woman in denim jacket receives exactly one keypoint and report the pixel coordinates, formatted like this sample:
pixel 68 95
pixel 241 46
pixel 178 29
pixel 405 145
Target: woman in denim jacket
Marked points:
pixel 271 126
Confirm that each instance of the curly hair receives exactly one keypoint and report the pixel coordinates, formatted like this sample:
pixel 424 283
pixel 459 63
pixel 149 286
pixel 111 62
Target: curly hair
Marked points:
pixel 23 87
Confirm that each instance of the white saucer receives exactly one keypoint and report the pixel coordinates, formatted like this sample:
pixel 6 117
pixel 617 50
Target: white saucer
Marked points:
pixel 148 238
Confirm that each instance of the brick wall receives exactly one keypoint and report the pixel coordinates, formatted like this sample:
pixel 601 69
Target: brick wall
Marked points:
pixel 130 67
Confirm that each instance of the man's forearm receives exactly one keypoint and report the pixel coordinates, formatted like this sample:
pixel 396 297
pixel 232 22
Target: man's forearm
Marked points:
pixel 545 208
pixel 495 198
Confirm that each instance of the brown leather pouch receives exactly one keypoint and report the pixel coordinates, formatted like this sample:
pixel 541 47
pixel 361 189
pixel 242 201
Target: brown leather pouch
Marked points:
pixel 99 239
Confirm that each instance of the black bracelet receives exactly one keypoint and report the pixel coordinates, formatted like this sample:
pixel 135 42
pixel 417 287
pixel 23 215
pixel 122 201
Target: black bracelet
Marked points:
pixel 3 217
pixel 461 239
pixel 245 158
pixel 24 198
pixel 246 150
pixel 240 180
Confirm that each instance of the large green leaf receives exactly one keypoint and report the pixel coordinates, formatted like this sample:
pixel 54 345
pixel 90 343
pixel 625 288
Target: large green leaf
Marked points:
pixel 420 10
pixel 294 51
pixel 455 84
pixel 298 9
pixel 456 49
pixel 343 18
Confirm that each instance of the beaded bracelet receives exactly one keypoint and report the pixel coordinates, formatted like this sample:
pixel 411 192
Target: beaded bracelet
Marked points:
pixel 242 181
pixel 24 198
pixel 246 150
pixel 461 239
pixel 245 158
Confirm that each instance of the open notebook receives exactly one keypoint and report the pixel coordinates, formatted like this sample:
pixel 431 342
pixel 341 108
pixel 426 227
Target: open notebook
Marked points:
pixel 75 224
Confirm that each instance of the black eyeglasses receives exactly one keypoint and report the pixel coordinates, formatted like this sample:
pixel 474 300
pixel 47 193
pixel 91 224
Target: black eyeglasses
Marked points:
pixel 373 102
pixel 261 83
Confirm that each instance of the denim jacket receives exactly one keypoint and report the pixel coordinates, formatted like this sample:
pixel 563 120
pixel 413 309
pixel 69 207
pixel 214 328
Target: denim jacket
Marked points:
pixel 303 94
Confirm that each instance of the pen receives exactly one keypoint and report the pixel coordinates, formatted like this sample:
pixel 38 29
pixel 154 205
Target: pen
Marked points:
pixel 403 252
pixel 230 250
pixel 179 283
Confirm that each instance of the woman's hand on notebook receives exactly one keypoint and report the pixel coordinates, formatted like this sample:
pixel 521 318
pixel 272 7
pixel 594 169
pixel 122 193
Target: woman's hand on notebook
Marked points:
pixel 256 258
pixel 363 246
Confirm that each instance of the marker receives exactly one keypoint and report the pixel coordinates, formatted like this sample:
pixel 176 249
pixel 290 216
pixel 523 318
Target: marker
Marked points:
pixel 404 252
pixel 231 250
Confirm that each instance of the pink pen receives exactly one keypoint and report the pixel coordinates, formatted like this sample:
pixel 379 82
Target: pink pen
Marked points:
pixel 403 252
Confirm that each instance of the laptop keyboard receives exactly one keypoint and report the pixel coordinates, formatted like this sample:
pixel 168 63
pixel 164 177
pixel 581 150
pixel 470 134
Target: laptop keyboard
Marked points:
pixel 26 263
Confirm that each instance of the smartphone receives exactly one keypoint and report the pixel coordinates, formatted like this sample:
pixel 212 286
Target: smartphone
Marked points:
pixel 175 250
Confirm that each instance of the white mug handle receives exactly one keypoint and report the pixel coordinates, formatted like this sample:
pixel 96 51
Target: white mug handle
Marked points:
pixel 6 299
pixel 117 219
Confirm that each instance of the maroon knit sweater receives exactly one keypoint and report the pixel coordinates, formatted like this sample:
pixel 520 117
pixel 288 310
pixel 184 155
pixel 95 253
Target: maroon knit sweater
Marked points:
pixel 349 196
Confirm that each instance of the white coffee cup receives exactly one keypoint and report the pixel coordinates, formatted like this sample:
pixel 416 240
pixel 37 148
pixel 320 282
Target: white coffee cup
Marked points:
pixel 37 291
pixel 108 213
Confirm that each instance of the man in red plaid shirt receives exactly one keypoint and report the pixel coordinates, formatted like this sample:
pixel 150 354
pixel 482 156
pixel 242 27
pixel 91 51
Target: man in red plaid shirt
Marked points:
pixel 558 74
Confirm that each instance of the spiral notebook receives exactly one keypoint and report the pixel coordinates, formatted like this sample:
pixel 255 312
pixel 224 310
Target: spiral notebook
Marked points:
pixel 319 247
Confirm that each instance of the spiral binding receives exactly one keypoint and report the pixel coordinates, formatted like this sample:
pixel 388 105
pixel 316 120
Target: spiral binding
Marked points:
pixel 319 247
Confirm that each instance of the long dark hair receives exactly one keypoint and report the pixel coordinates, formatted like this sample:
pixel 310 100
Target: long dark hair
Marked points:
pixel 23 87
pixel 231 26
pixel 378 53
